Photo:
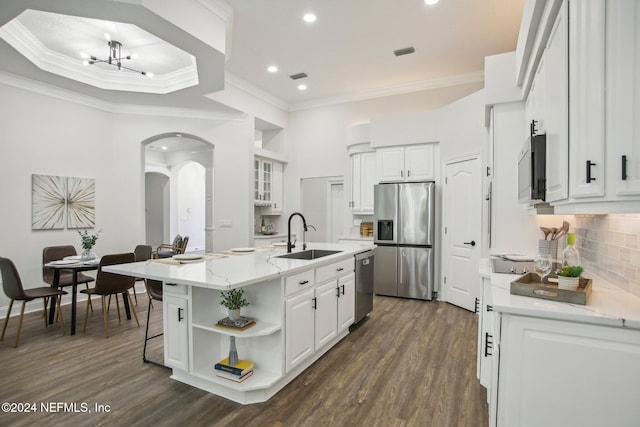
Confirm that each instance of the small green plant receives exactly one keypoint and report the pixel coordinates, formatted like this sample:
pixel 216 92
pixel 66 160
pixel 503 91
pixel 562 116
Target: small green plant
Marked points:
pixel 88 240
pixel 570 271
pixel 233 299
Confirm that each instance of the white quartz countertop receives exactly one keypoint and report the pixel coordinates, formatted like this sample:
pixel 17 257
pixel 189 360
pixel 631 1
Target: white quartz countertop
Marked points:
pixel 607 305
pixel 234 271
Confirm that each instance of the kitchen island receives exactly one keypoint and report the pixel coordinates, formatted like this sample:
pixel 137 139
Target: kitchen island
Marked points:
pixel 302 308
pixel 549 363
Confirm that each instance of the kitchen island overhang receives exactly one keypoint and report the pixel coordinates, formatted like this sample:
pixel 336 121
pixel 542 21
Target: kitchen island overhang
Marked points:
pixel 302 309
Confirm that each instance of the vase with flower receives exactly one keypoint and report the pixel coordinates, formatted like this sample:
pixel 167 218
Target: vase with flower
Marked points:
pixel 88 241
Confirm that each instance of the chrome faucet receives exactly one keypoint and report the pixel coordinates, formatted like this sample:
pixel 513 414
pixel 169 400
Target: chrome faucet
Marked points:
pixel 304 224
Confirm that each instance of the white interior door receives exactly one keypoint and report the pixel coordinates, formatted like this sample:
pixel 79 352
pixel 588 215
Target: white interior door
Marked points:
pixel 462 196
pixel 335 216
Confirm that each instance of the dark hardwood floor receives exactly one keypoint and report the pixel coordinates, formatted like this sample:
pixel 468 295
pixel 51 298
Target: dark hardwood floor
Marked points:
pixel 412 363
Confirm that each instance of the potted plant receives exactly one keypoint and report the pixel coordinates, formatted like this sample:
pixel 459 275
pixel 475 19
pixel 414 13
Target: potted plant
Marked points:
pixel 569 277
pixel 234 300
pixel 88 241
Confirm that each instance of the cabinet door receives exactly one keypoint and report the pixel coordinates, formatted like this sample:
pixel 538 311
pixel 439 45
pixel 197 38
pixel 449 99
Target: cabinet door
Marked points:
pixel 346 301
pixel 623 95
pixel 326 304
pixel 486 337
pixel 367 181
pixel 266 177
pixel 555 105
pixel 418 162
pixel 277 188
pixel 176 332
pixel 257 186
pixel 555 373
pixel 356 185
pixel 586 98
pixel 390 164
pixel 299 315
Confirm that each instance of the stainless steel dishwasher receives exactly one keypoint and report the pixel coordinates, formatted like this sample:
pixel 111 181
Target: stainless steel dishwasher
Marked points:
pixel 364 284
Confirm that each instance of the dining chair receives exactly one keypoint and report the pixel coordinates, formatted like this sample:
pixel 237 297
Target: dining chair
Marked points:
pixel 179 246
pixel 111 284
pixel 55 253
pixel 154 289
pixel 13 288
pixel 142 253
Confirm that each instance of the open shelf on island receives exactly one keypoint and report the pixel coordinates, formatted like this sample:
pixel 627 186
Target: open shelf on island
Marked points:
pixel 258 330
pixel 259 380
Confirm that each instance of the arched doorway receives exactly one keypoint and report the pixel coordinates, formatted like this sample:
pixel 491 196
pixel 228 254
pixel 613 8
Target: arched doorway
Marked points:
pixel 182 201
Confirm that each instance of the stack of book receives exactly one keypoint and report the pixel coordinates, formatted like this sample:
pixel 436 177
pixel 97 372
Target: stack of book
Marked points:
pixel 241 324
pixel 238 372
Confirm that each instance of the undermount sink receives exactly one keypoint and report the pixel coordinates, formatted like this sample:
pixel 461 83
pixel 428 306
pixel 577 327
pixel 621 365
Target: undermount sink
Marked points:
pixel 309 254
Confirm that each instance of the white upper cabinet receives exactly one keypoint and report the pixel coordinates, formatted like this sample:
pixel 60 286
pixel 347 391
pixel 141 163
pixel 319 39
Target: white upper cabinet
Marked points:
pixel 586 94
pixel 268 185
pixel 363 176
pixel 410 163
pixel 555 106
pixel 277 190
pixel 623 95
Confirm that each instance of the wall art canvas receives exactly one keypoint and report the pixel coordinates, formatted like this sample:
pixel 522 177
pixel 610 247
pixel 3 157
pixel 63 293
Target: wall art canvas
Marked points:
pixel 81 202
pixel 48 202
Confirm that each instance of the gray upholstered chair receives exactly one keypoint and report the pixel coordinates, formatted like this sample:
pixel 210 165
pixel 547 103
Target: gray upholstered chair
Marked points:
pixel 13 288
pixel 112 284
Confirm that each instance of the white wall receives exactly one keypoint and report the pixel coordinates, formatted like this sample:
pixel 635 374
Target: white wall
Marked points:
pixel 48 135
pixel 317 138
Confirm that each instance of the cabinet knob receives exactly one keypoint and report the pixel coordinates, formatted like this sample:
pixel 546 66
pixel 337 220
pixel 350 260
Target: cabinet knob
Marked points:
pixel 339 269
pixel 303 282
pixel 180 316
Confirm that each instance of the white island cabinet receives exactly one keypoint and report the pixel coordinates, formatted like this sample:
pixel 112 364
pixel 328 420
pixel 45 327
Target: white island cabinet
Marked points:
pixel 548 363
pixel 302 308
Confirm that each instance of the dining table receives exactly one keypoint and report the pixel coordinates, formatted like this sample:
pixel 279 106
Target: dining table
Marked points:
pixel 74 266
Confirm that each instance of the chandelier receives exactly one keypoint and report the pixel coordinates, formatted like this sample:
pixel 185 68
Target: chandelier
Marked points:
pixel 115 58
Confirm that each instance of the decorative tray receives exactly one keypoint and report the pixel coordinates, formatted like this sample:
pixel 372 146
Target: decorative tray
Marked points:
pixel 529 286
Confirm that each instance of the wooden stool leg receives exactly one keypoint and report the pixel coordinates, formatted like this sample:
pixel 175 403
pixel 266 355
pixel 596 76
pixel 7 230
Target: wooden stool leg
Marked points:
pixel 58 299
pixel 6 320
pixel 106 320
pixel 24 303
pixel 46 301
pixel 86 314
pixel 118 307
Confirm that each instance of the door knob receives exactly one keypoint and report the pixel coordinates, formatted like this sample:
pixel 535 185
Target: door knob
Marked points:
pixel 472 243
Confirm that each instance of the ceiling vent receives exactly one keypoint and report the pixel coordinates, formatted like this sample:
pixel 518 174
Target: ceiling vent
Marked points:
pixel 405 51
pixel 298 76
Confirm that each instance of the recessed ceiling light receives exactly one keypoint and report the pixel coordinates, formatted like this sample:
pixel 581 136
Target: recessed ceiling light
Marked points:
pixel 431 2
pixel 272 69
pixel 164 147
pixel 302 87
pixel 107 37
pixel 309 17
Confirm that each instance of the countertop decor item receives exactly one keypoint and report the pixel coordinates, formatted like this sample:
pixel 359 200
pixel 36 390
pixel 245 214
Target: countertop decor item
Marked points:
pixel 569 277
pixel 529 286
pixel 234 300
pixel 88 241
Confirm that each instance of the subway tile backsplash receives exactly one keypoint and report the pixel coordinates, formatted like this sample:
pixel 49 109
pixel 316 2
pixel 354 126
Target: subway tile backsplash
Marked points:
pixel 609 246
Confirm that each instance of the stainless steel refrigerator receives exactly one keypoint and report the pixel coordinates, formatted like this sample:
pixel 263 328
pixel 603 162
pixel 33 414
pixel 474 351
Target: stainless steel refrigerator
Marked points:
pixel 404 234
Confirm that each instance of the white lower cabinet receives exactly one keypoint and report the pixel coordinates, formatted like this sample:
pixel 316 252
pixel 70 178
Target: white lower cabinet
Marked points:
pixel 317 313
pixel 346 301
pixel 556 373
pixel 300 321
pixel 176 331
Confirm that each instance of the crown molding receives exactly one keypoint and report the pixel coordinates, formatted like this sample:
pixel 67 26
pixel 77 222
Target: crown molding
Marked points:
pixel 472 77
pixel 88 101
pixel 247 87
